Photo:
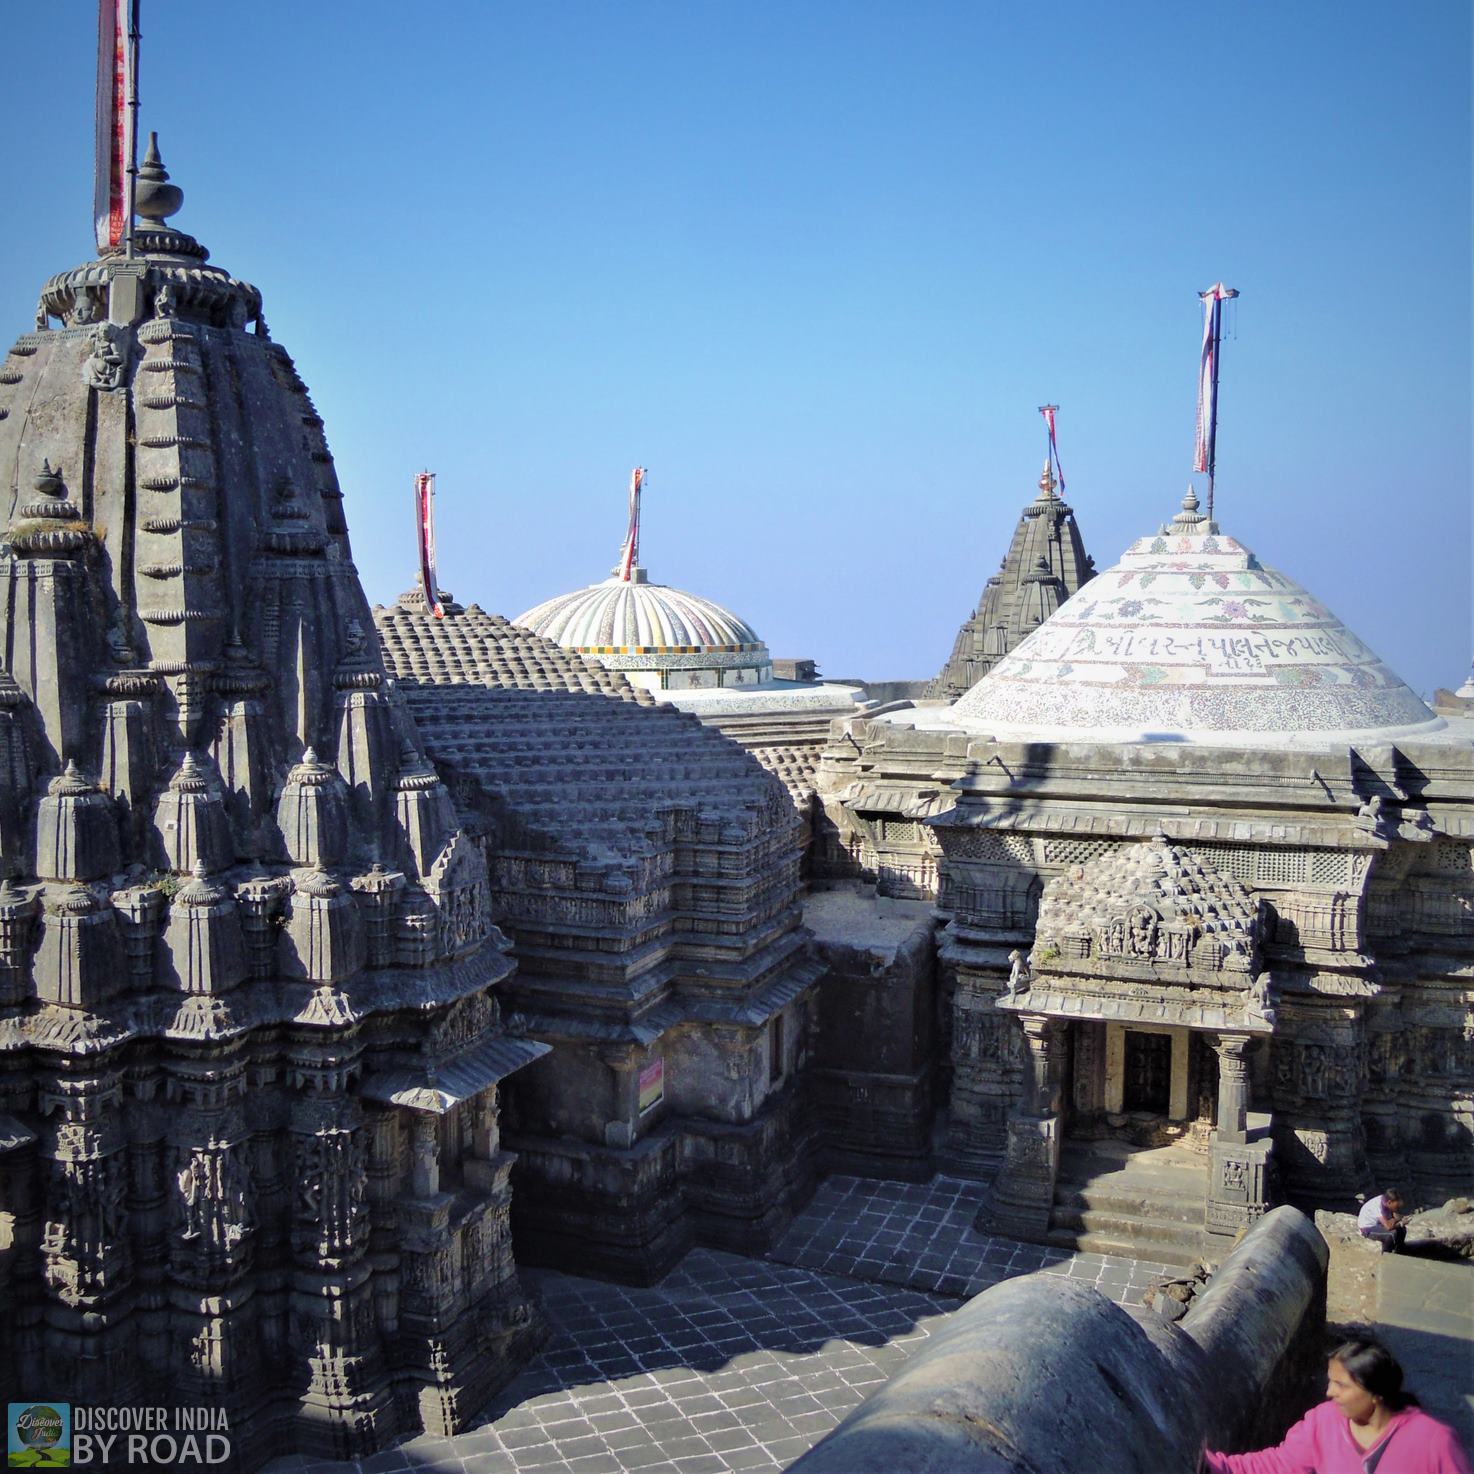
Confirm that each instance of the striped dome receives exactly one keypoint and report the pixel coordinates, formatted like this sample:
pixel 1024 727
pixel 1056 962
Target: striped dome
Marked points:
pixel 645 621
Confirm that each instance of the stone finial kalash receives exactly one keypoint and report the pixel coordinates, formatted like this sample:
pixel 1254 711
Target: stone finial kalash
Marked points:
pixel 249 1044
pixel 648 872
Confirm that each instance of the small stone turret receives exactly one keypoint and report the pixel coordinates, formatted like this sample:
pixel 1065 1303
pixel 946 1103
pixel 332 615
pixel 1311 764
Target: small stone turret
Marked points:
pixel 1046 563
pixel 76 831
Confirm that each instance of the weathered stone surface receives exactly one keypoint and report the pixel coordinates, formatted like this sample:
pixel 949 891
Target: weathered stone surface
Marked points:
pixel 1046 562
pixel 648 871
pixel 984 1393
pixel 201 964
pixel 1447 1230
pixel 1351 1280
pixel 873 1062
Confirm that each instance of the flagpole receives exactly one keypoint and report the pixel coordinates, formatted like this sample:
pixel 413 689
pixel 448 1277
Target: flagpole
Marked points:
pixel 132 183
pixel 1213 423
pixel 1049 411
pixel 1207 456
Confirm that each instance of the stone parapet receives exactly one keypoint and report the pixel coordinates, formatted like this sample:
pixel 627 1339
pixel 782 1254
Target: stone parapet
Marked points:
pixel 1143 1396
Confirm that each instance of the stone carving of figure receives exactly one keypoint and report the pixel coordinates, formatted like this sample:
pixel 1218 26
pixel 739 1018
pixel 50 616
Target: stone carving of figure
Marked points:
pixel 83 310
pixel 1371 816
pixel 1019 976
pixel 191 1193
pixel 1260 1007
pixel 164 304
pixel 43 318
pixel 107 365
pixel 1143 933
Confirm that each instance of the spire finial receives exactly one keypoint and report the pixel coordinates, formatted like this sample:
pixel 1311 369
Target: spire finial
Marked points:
pixel 155 198
pixel 1047 482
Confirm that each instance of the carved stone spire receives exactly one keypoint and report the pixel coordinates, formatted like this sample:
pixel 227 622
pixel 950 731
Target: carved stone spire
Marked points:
pixel 178 602
pixel 1015 601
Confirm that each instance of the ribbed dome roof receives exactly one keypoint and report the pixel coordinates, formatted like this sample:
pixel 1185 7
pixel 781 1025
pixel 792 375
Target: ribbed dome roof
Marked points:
pixel 1190 638
pixel 633 617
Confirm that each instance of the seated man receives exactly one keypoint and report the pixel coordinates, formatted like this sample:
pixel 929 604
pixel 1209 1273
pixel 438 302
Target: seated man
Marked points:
pixel 1381 1219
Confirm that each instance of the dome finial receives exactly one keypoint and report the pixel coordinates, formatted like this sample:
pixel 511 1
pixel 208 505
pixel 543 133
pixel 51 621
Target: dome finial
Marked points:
pixel 1190 521
pixel 1047 482
pixel 155 198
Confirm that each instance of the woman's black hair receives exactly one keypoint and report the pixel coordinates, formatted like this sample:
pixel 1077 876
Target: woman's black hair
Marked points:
pixel 1374 1369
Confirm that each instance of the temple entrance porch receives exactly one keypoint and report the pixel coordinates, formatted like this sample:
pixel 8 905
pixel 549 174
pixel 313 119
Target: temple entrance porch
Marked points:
pixel 1132 1138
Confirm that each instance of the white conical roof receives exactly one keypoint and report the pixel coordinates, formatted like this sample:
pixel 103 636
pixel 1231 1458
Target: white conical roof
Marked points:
pixel 1190 638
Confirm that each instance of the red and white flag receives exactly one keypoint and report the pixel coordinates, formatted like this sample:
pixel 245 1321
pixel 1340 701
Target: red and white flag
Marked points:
pixel 1049 411
pixel 115 19
pixel 629 555
pixel 425 528
pixel 1205 450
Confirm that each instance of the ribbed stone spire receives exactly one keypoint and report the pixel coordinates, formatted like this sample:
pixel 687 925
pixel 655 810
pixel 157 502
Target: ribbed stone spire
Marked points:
pixel 180 614
pixel 1015 600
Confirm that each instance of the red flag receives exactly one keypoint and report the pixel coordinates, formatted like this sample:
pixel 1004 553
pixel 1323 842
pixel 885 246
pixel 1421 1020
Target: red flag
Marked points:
pixel 425 527
pixel 114 131
pixel 629 554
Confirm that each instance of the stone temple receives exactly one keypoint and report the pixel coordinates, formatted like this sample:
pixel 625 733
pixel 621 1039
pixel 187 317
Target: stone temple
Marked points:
pixel 350 958
pixel 1201 865
pixel 251 1045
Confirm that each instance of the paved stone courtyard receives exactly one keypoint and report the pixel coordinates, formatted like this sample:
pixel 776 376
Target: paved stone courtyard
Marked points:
pixel 734 1364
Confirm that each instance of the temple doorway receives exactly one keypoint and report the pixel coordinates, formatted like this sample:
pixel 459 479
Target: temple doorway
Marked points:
pixel 1143 1081
pixel 1148 1072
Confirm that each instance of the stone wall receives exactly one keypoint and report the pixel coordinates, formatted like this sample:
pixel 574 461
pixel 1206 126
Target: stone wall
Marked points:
pixel 873 1064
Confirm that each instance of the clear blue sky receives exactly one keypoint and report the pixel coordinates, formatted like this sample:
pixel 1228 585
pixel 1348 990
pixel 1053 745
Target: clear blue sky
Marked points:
pixel 815 264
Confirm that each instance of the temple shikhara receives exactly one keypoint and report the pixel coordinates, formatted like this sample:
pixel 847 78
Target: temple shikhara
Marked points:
pixel 352 957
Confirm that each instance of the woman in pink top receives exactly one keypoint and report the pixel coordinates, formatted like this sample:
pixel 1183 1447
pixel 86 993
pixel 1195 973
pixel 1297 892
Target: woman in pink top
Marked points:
pixel 1366 1425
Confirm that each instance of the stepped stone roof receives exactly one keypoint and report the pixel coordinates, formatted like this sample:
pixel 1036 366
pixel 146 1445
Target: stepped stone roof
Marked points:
pixel 647 624
pixel 1045 564
pixel 1190 638
pixel 526 718
pixel 470 646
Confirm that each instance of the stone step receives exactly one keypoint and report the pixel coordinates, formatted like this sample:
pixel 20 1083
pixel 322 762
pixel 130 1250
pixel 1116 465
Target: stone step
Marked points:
pixel 1099 1243
pixel 1185 1234
pixel 1131 1201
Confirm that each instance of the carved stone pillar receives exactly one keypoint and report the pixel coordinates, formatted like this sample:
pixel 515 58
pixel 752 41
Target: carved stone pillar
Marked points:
pixel 1233 1086
pixel 1238 1172
pixel 424 1155
pixel 619 1130
pixel 1023 1193
pixel 985 1074
pixel 484 1135
pixel 1043 1037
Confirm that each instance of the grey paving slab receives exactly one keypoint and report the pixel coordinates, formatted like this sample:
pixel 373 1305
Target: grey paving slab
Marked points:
pixel 920 1235
pixel 733 1364
pixel 1425 1313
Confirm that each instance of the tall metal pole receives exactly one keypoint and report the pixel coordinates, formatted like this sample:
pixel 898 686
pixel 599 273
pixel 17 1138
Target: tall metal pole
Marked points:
pixel 132 185
pixel 1207 449
pixel 1213 422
